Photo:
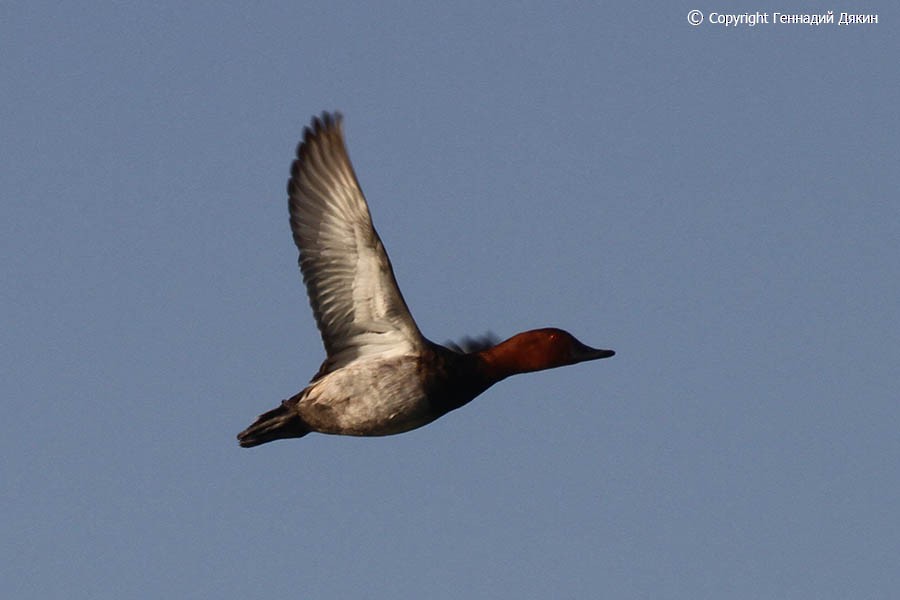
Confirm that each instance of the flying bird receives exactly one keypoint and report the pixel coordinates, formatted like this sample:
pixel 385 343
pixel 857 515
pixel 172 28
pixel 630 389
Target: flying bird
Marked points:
pixel 381 376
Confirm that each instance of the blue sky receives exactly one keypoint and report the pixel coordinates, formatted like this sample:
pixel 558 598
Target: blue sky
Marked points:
pixel 717 205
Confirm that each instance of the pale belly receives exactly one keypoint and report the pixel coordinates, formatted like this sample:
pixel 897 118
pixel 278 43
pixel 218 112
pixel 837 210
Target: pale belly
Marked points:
pixel 367 399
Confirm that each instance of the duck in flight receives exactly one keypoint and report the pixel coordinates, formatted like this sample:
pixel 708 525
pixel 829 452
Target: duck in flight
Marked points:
pixel 381 376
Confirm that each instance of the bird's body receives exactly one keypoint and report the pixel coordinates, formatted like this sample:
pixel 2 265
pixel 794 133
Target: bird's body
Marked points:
pixel 381 376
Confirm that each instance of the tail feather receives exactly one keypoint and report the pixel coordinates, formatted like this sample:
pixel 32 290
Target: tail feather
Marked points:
pixel 279 423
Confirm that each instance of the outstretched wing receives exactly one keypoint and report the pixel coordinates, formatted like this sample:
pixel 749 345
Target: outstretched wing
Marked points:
pixel 352 290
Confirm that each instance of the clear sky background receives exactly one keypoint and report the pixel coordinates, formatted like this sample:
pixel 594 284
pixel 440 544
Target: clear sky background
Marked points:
pixel 720 206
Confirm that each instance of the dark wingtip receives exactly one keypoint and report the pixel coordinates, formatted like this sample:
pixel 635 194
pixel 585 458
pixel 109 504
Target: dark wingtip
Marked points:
pixel 326 127
pixel 325 121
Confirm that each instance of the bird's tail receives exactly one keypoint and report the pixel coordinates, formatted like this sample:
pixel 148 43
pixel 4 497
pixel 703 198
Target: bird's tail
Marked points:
pixel 279 423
